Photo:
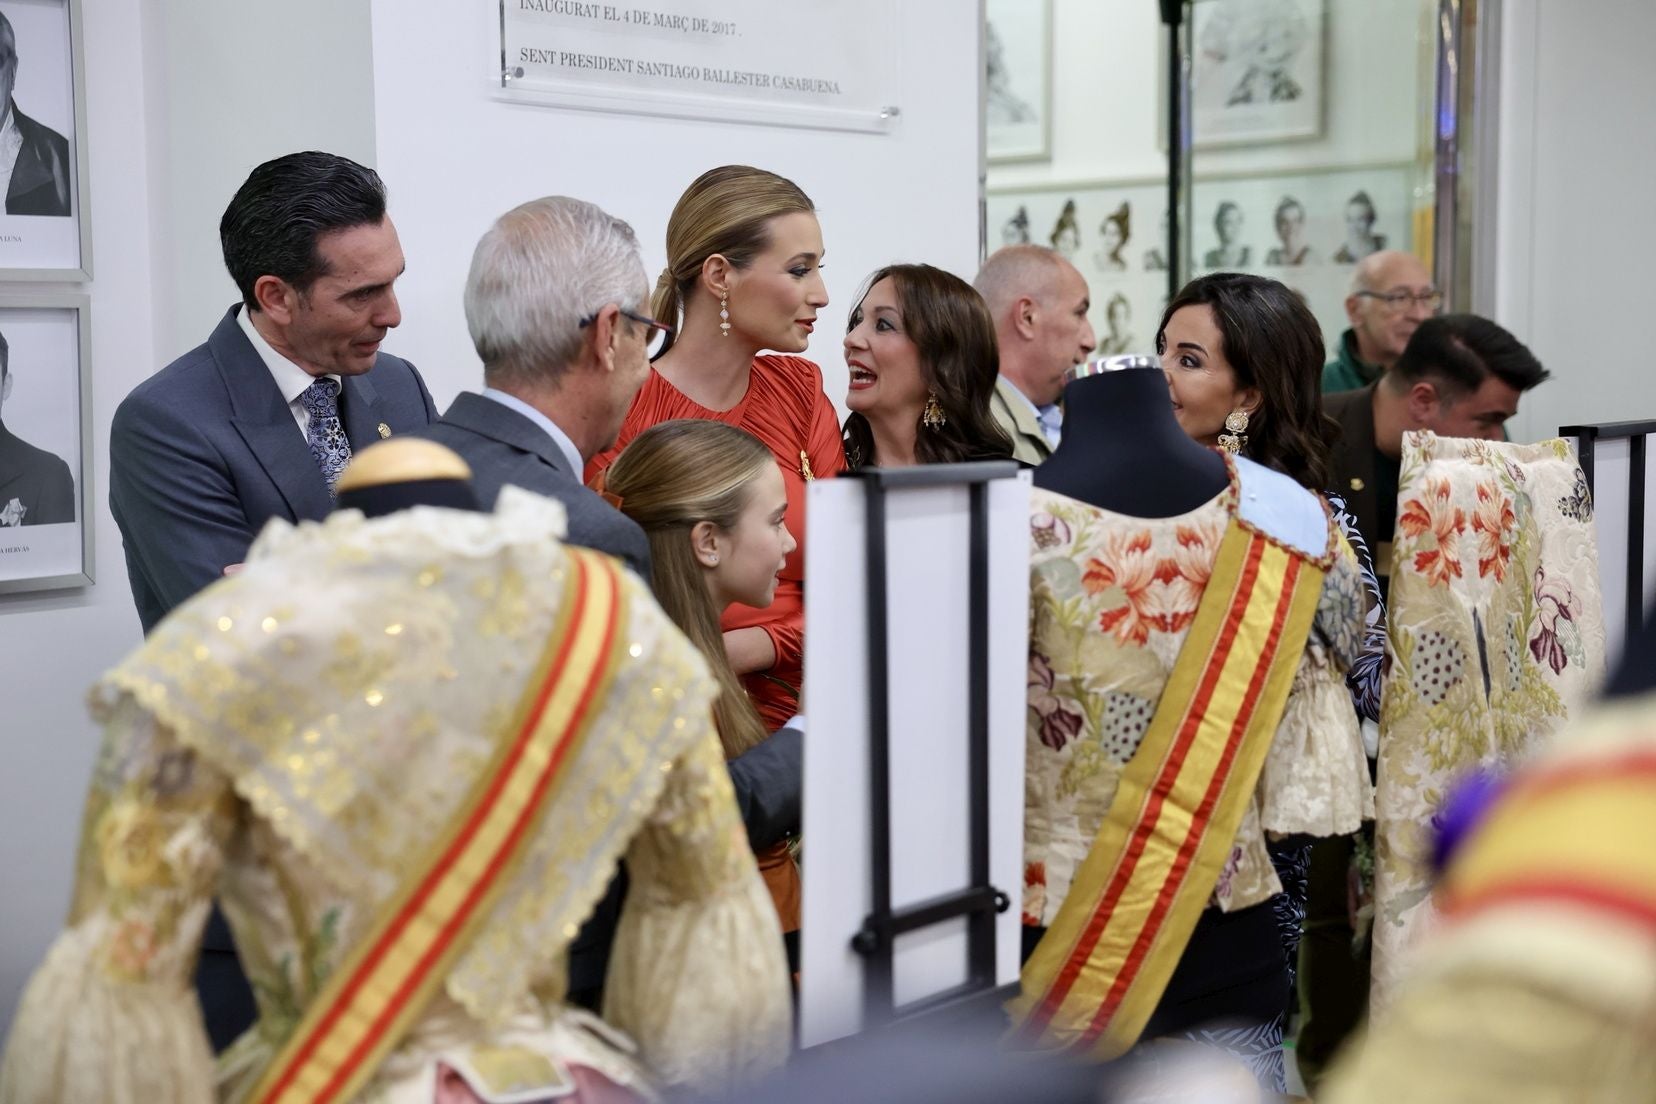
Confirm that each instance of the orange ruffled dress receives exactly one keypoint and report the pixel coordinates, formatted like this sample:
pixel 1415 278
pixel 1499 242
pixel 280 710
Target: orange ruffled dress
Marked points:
pixel 784 407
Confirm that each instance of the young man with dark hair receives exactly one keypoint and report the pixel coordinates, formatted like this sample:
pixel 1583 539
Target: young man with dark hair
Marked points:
pixel 1460 375
pixel 259 421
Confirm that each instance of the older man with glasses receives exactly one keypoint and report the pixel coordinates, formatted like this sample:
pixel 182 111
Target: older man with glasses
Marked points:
pixel 555 305
pixel 1391 295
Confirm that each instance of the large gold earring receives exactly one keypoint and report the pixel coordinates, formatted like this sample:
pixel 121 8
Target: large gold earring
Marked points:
pixel 724 315
pixel 1236 422
pixel 933 416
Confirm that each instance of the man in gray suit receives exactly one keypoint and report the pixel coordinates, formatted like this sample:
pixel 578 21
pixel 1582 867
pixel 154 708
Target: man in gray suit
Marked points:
pixel 258 422
pixel 554 302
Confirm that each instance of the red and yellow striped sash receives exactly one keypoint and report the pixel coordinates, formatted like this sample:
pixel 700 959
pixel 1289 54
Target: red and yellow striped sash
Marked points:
pixel 1097 974
pixel 376 994
pixel 1577 834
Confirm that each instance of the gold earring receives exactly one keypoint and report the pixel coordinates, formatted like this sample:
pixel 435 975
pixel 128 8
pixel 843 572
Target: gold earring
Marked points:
pixel 1236 422
pixel 933 416
pixel 724 315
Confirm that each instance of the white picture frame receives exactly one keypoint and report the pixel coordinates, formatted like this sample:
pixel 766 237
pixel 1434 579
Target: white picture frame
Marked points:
pixel 1256 71
pixel 45 228
pixel 1017 80
pixel 46 415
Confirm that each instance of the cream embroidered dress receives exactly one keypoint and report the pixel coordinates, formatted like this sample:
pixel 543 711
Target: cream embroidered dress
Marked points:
pixel 1112 598
pixel 292 740
pixel 1496 635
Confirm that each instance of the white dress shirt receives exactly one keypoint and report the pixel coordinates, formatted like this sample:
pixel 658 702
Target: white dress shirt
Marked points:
pixel 291 380
pixel 559 437
pixel 11 142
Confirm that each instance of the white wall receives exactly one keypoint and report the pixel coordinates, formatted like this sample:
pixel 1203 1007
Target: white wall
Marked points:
pixel 1578 228
pixel 56 644
pixel 455 158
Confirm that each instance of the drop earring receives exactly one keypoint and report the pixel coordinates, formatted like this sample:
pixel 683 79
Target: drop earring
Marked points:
pixel 1235 438
pixel 933 417
pixel 724 314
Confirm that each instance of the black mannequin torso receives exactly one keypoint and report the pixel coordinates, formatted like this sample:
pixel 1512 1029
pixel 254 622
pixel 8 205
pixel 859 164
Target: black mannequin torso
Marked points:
pixel 1123 450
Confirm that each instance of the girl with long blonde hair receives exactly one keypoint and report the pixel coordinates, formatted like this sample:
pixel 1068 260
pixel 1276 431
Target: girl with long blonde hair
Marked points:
pixel 712 501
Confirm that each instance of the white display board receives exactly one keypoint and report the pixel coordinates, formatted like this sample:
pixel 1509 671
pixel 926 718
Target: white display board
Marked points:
pixel 926 586
pixel 790 62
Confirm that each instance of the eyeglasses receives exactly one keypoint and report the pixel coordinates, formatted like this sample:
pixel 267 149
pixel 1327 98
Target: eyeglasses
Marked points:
pixel 1397 300
pixel 641 319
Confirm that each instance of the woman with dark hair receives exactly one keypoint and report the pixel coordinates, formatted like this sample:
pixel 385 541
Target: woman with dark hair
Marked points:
pixel 920 345
pixel 1243 358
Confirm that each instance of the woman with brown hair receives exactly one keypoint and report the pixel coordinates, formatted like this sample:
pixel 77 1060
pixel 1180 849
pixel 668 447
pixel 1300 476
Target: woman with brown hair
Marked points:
pixel 920 345
pixel 711 500
pixel 744 254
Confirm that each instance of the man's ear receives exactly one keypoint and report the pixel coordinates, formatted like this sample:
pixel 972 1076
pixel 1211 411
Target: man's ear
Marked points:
pixel 277 299
pixel 1025 312
pixel 1423 403
pixel 1353 303
pixel 604 332
pixel 704 543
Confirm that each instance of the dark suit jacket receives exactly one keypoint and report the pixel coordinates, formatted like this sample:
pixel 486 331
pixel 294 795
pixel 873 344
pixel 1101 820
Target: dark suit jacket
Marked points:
pixel 1352 458
pixel 37 479
pixel 205 451
pixel 41 181
pixel 502 446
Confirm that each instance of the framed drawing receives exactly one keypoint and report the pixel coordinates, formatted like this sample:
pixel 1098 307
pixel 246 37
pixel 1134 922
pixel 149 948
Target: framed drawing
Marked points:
pixel 1017 80
pixel 44 228
pixel 1256 72
pixel 45 442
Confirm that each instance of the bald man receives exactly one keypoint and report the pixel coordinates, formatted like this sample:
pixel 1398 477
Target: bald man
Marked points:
pixel 1391 295
pixel 1039 302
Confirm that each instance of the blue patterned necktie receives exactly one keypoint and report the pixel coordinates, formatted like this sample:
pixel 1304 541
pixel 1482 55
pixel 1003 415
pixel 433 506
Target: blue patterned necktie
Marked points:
pixel 326 436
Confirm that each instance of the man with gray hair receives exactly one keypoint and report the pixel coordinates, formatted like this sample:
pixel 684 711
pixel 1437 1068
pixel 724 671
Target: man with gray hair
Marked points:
pixel 555 303
pixel 1391 295
pixel 34 158
pixel 1039 302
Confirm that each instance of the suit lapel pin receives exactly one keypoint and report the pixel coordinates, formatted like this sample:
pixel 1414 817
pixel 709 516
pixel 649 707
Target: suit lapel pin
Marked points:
pixel 1356 484
pixel 384 430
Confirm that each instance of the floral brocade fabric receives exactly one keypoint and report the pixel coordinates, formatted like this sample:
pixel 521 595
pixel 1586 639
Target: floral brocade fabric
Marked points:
pixel 1112 599
pixel 1496 633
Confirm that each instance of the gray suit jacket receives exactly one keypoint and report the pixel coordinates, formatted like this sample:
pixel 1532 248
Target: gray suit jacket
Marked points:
pixel 502 446
pixel 1011 410
pixel 205 451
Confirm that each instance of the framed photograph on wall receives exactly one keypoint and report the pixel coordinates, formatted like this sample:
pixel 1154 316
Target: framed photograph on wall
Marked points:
pixel 1017 79
pixel 1256 71
pixel 45 442
pixel 44 228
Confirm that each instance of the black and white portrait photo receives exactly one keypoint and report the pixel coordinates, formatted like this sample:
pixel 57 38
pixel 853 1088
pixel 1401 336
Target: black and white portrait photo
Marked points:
pixel 1256 71
pixel 1360 238
pixel 1230 253
pixel 1017 79
pixel 1113 234
pixel 41 226
pixel 43 458
pixel 1289 220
